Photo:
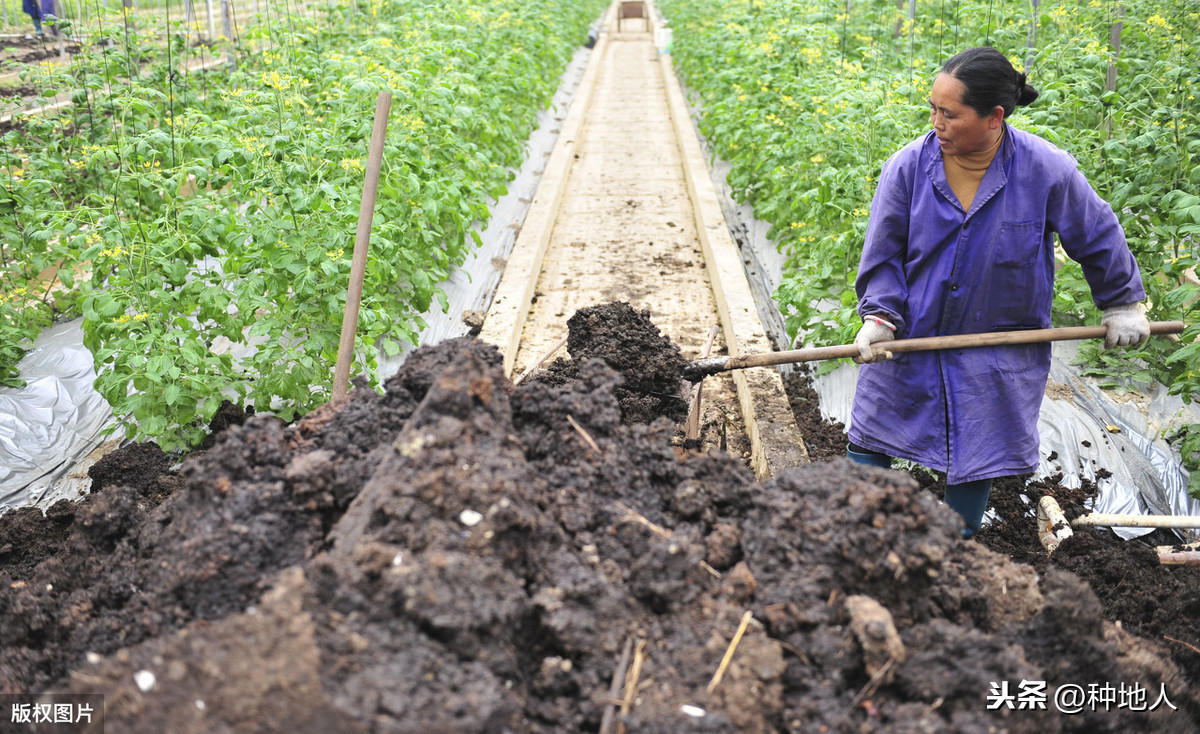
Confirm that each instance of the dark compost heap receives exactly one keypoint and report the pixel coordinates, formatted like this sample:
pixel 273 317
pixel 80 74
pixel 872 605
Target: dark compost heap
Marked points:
pixel 453 556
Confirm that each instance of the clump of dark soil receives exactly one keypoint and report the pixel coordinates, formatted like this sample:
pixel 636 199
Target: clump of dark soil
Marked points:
pixel 1157 602
pixel 650 364
pixel 455 555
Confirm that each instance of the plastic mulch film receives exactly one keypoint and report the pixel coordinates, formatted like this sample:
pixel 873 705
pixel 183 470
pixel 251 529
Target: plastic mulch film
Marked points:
pixel 49 427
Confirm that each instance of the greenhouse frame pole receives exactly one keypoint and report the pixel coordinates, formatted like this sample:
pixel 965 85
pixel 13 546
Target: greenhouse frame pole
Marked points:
pixel 227 23
pixel 1110 79
pixel 1031 42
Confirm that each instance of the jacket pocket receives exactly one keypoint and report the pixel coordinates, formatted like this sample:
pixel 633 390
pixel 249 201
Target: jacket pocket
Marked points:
pixel 1020 290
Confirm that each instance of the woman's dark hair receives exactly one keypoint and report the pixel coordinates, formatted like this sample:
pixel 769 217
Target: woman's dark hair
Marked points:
pixel 990 80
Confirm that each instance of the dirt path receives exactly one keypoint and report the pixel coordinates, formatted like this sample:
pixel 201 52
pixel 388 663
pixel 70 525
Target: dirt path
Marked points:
pixel 625 229
pixel 622 222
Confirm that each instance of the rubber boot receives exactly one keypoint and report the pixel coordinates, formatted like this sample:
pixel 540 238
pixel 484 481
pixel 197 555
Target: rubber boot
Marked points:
pixel 969 500
pixel 870 458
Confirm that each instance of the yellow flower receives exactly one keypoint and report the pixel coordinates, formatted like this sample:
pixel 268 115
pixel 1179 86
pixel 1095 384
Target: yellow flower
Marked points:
pixel 1158 20
pixel 276 81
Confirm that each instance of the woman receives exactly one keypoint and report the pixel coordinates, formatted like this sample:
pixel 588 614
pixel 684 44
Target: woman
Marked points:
pixel 961 240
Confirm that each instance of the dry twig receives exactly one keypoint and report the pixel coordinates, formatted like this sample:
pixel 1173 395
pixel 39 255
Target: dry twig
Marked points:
pixel 737 637
pixel 614 689
pixel 1193 648
pixel 634 515
pixel 869 689
pixel 631 682
pixel 586 437
pixel 541 361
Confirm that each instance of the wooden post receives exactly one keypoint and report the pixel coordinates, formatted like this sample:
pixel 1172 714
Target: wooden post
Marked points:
pixel 358 268
pixel 227 27
pixel 1031 41
pixel 1110 79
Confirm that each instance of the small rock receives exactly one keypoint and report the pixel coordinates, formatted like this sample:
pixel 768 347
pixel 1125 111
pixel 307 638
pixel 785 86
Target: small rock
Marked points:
pixel 145 680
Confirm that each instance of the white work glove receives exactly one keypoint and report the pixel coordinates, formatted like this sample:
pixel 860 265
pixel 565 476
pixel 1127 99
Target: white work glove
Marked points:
pixel 1127 325
pixel 874 331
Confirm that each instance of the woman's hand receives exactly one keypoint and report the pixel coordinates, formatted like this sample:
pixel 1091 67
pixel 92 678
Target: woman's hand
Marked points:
pixel 1127 325
pixel 874 331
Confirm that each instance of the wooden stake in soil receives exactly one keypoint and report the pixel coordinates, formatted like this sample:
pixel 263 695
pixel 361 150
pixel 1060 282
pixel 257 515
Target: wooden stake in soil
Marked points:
pixel 1051 524
pixel 358 267
pixel 737 637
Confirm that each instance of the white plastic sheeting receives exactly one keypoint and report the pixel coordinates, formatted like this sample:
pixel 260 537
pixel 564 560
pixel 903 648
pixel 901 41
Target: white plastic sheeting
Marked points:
pixel 50 427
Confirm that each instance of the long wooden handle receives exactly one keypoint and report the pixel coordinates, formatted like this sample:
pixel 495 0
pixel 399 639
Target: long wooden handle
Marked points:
pixel 702 367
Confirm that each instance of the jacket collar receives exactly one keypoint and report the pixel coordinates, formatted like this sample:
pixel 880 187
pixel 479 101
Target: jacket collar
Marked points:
pixel 994 178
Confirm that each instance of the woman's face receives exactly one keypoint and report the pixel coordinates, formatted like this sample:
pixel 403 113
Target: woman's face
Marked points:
pixel 960 129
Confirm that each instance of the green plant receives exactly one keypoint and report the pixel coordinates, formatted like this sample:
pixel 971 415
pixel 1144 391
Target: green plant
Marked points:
pixel 805 101
pixel 214 215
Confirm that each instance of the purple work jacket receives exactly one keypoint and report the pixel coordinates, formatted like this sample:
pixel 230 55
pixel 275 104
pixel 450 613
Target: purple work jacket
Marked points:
pixel 933 270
